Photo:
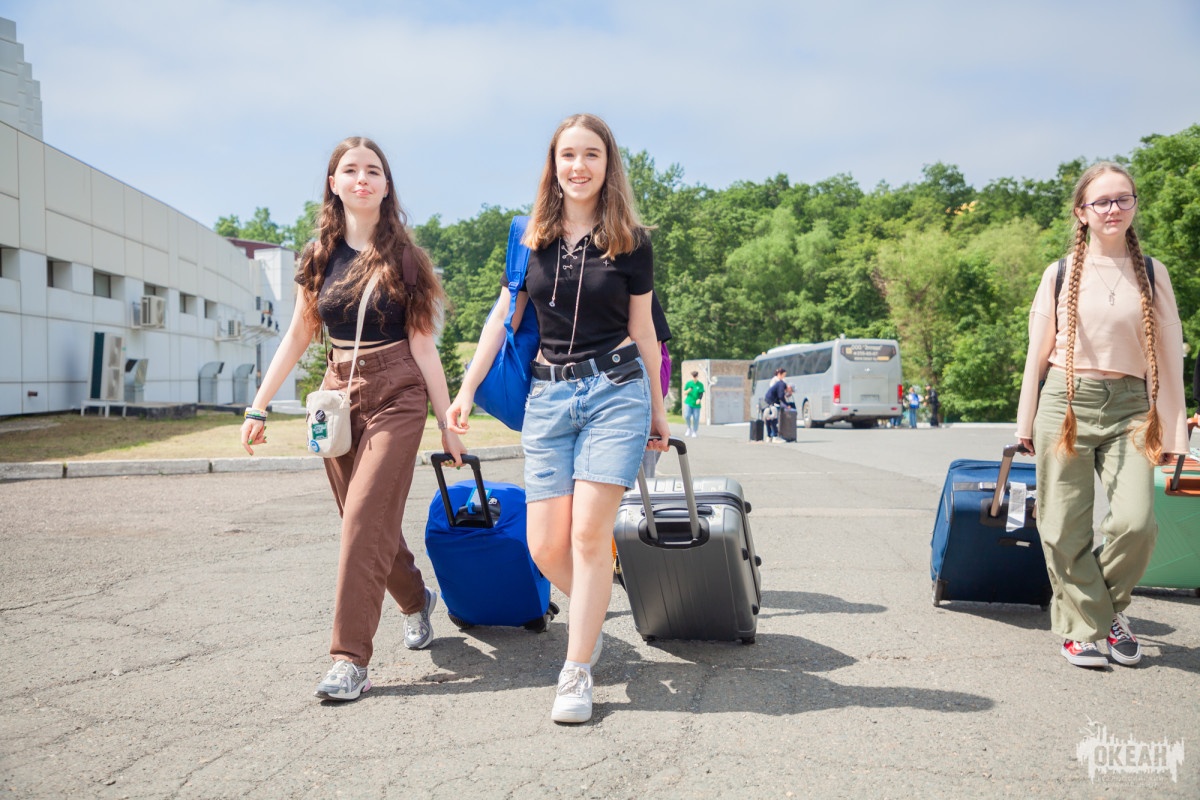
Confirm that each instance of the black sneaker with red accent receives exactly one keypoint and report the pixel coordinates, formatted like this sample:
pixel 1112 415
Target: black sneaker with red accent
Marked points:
pixel 1123 646
pixel 1083 654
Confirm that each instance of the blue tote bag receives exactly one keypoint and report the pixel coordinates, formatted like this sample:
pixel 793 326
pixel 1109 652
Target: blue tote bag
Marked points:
pixel 503 390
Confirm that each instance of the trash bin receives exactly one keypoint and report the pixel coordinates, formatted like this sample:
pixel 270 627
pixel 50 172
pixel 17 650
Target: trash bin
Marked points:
pixel 209 377
pixel 135 379
pixel 243 384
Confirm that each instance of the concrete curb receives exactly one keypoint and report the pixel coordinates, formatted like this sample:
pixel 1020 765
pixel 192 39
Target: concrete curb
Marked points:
pixel 107 469
pixel 32 470
pixel 37 470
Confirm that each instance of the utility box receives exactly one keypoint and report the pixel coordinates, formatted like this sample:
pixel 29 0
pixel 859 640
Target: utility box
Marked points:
pixel 726 389
pixel 210 375
pixel 243 384
pixel 135 379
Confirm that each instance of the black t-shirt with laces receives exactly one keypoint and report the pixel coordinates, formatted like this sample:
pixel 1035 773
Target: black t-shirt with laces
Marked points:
pixel 386 320
pixel 602 321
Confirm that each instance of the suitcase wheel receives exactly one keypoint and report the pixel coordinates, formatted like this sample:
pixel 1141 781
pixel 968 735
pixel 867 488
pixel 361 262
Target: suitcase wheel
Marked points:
pixel 758 561
pixel 747 640
pixel 540 624
pixel 461 624
pixel 937 593
pixel 648 639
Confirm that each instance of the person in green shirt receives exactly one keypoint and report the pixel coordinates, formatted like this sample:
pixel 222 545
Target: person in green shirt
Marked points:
pixel 693 390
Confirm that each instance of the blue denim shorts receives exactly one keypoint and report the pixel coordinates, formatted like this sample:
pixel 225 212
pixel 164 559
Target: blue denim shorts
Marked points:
pixel 591 429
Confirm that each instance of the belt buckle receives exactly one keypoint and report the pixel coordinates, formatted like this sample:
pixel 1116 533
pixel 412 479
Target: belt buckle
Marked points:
pixel 568 372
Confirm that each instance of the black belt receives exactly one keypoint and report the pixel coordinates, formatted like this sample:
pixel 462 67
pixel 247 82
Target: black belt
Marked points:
pixel 585 369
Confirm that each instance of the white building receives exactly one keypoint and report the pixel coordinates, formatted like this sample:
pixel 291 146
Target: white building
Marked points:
pixel 82 253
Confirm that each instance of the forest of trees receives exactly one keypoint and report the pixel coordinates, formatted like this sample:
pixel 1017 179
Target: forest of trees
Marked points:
pixel 946 268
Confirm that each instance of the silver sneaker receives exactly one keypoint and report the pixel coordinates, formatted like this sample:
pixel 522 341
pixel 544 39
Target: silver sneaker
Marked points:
pixel 344 681
pixel 573 700
pixel 418 630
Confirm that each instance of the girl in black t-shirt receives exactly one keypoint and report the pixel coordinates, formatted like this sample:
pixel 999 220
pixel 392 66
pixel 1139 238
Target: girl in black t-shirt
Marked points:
pixel 361 234
pixel 591 407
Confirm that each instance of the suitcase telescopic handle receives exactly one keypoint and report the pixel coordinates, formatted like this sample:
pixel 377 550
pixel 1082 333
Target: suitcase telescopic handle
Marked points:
pixel 685 471
pixel 1002 479
pixel 1178 472
pixel 437 459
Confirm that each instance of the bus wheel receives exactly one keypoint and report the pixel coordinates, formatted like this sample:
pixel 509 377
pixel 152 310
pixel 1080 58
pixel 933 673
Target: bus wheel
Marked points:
pixel 806 413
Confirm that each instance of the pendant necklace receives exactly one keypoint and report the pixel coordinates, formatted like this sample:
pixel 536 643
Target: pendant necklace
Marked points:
pixel 1112 290
pixel 578 289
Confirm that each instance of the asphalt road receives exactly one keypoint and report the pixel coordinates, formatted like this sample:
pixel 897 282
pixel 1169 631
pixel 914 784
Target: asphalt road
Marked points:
pixel 160 636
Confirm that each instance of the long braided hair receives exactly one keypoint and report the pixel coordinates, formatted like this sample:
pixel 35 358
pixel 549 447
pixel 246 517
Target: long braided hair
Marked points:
pixel 1150 431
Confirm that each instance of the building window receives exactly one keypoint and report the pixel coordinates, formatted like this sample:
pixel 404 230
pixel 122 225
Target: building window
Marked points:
pixel 102 284
pixel 8 263
pixel 187 303
pixel 210 309
pixel 58 274
pixel 157 291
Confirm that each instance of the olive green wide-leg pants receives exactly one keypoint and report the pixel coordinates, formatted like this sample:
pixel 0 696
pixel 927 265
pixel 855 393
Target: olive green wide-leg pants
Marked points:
pixel 1090 585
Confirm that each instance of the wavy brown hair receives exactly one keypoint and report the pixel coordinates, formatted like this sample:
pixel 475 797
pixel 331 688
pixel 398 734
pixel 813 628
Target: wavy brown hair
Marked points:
pixel 1150 431
pixel 620 230
pixel 384 255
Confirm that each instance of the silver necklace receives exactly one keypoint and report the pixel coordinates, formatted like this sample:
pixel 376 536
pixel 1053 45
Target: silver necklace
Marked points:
pixel 1112 290
pixel 578 289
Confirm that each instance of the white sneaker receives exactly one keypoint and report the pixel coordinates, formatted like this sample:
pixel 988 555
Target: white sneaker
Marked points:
pixel 344 681
pixel 573 699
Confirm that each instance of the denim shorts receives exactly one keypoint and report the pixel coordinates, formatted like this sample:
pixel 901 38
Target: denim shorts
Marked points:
pixel 591 429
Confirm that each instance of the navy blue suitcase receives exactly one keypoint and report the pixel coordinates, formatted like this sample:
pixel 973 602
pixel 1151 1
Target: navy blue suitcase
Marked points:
pixel 475 538
pixel 974 557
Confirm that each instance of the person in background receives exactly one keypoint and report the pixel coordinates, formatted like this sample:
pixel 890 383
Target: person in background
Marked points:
pixel 1101 396
pixel 361 233
pixel 774 400
pixel 693 395
pixel 914 403
pixel 934 404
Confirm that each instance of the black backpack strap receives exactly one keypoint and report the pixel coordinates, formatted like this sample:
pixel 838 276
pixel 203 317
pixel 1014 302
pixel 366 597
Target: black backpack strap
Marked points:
pixel 1149 273
pixel 1058 281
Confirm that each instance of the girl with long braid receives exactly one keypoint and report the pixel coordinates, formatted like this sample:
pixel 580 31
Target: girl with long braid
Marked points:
pixel 1102 394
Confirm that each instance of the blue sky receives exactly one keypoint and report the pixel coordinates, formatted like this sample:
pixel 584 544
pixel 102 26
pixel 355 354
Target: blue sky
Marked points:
pixel 218 107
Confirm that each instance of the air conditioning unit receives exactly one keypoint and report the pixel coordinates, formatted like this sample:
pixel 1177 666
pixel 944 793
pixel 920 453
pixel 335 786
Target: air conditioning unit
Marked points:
pixel 153 312
pixel 229 329
pixel 108 367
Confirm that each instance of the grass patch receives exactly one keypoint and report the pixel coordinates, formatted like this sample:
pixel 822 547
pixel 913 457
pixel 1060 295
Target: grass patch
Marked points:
pixel 210 434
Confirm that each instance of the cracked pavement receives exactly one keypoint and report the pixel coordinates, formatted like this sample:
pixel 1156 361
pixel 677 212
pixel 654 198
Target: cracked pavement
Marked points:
pixel 161 636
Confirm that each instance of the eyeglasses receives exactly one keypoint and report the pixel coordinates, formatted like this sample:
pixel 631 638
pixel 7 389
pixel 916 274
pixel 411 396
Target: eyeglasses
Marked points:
pixel 1124 202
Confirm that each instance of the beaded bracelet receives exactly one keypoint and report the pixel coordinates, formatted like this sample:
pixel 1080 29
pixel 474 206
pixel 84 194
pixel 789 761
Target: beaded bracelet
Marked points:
pixel 255 413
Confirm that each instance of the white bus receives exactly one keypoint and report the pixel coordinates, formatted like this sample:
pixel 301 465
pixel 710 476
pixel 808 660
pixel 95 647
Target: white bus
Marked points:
pixel 856 380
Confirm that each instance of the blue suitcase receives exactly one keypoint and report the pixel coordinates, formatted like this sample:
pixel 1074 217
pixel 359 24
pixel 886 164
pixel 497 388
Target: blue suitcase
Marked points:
pixel 479 553
pixel 974 557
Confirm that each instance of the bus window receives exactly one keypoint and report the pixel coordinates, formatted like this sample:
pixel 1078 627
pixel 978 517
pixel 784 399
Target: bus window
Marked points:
pixel 820 360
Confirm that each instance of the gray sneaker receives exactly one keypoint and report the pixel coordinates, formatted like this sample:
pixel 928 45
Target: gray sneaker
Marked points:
pixel 418 630
pixel 573 700
pixel 344 681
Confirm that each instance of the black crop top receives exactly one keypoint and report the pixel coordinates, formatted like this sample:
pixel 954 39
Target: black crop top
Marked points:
pixel 386 320
pixel 604 305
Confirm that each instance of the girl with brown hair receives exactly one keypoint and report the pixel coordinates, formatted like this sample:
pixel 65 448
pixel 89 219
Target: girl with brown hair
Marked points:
pixel 592 404
pixel 362 234
pixel 1102 394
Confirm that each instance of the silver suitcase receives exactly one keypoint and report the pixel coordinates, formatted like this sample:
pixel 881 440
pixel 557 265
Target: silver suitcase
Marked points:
pixel 689 565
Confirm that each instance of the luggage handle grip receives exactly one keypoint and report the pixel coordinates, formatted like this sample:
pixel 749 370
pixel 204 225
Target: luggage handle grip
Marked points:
pixel 437 459
pixel 1002 479
pixel 685 470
